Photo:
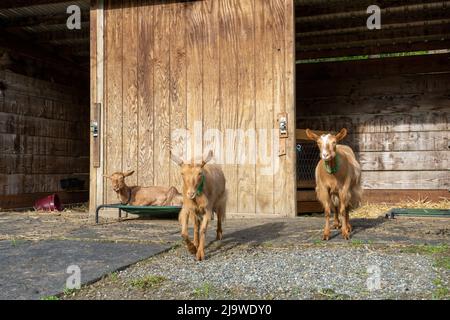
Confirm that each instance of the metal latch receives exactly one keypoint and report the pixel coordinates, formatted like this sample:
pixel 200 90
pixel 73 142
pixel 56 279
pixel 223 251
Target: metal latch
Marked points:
pixel 94 129
pixel 283 129
pixel 283 126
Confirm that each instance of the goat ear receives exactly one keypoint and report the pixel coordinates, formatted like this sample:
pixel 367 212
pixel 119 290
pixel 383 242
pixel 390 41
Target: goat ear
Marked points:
pixel 107 177
pixel 341 135
pixel 208 158
pixel 311 135
pixel 176 159
pixel 129 173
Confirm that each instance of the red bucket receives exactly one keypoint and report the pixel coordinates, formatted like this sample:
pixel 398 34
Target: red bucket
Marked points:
pixel 49 203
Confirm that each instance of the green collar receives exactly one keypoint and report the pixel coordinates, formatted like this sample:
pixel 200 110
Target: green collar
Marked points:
pixel 201 185
pixel 336 165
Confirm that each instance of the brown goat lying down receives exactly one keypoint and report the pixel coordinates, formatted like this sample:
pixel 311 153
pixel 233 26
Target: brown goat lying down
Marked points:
pixel 143 196
pixel 338 180
pixel 203 193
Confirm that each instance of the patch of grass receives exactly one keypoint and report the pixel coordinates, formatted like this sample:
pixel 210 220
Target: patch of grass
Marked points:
pixel 203 291
pixel 442 262
pixel 441 291
pixel 69 292
pixel 356 242
pixel 330 294
pixel 426 249
pixel 267 244
pixel 50 298
pixel 16 242
pixel 148 282
pixel 319 242
pixel 114 277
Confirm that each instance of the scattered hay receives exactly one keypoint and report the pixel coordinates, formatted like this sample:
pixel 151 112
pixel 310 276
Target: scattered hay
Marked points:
pixel 79 208
pixel 376 210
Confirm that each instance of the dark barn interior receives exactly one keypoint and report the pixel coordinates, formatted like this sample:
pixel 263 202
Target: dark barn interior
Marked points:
pixel 44 103
pixel 389 87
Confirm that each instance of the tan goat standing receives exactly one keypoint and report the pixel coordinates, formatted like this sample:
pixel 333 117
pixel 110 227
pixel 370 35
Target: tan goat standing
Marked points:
pixel 203 193
pixel 338 180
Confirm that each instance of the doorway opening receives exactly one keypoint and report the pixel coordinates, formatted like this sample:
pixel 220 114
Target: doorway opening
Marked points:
pixel 389 87
pixel 44 101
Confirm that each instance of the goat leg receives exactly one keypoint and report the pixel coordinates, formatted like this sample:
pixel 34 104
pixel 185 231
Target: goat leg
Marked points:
pixel 184 220
pixel 337 223
pixel 196 230
pixel 219 232
pixel 326 231
pixel 349 226
pixel 203 227
pixel 344 228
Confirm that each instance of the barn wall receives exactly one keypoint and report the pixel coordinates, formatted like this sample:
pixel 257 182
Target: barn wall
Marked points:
pixel 397 112
pixel 200 65
pixel 44 137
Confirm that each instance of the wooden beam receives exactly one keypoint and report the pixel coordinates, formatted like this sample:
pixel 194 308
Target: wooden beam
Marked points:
pixel 309 207
pixel 33 21
pixel 319 7
pixel 396 30
pixel 23 201
pixel 396 196
pixel 10 4
pixel 29 48
pixel 358 18
pixel 61 36
pixel 374 49
pixel 422 7
pixel 373 68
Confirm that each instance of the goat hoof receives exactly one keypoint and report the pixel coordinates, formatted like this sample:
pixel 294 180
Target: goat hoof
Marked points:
pixel 219 236
pixel 326 237
pixel 192 249
pixel 346 235
pixel 337 226
pixel 200 256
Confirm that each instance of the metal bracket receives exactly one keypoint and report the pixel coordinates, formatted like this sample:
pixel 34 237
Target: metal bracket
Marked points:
pixel 94 129
pixel 284 132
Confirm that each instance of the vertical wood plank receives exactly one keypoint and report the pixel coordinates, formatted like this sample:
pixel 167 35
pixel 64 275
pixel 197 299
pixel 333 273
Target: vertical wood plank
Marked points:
pixel 113 92
pixel 264 108
pixel 93 99
pixel 130 90
pixel 195 35
pixel 177 87
pixel 145 93
pixel 228 84
pixel 291 157
pixel 279 51
pixel 211 81
pixel 246 144
pixel 161 94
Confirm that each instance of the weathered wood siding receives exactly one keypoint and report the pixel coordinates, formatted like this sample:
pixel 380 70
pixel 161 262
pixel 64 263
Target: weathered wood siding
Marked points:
pixel 201 65
pixel 44 137
pixel 397 112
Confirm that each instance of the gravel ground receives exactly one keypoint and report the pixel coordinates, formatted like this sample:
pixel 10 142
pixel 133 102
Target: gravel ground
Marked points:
pixel 294 272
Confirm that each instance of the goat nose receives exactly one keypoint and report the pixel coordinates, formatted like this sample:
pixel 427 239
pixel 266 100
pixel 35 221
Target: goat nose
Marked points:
pixel 191 194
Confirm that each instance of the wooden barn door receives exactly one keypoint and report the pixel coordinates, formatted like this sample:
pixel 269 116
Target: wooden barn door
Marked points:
pixel 195 76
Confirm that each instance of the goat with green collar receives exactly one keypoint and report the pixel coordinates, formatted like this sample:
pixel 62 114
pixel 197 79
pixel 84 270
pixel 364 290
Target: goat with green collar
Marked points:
pixel 203 194
pixel 338 180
